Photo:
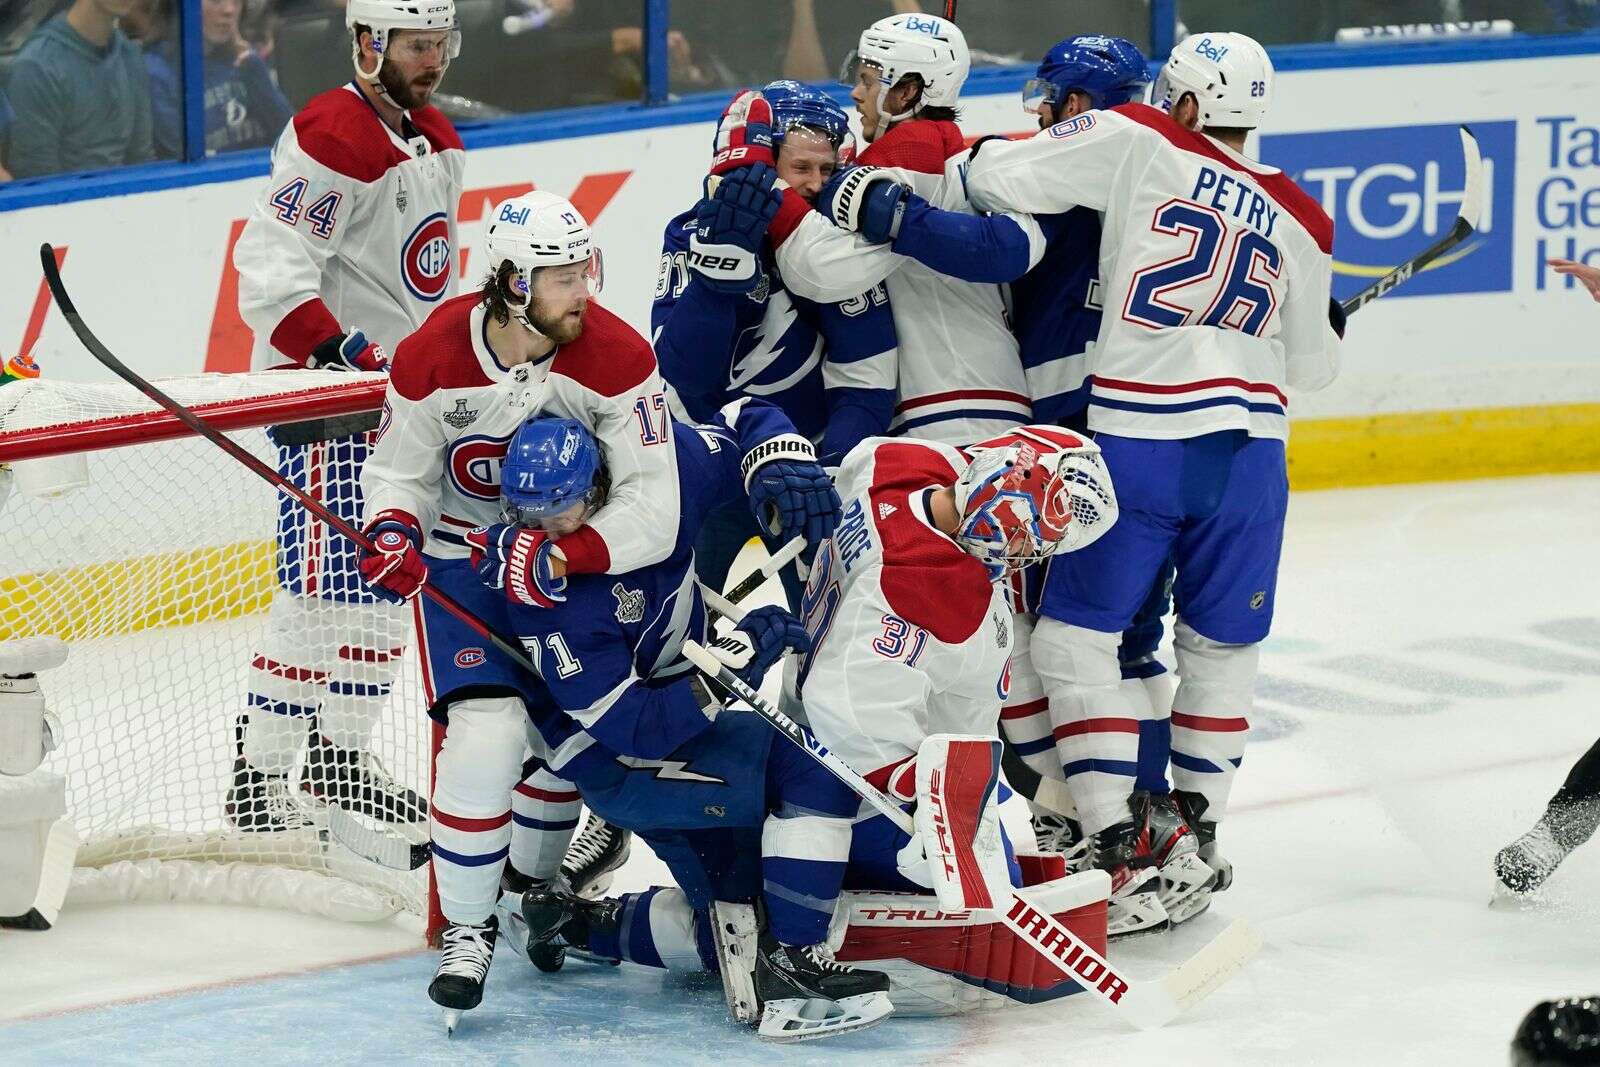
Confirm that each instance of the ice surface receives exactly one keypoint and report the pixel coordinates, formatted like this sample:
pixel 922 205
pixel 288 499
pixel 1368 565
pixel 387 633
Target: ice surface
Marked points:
pixel 1434 671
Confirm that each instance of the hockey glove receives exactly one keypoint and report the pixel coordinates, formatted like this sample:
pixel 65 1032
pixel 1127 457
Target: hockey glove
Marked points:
pixel 744 134
pixel 394 568
pixel 729 226
pixel 520 561
pixel 349 351
pixel 865 200
pixel 790 493
pixel 760 640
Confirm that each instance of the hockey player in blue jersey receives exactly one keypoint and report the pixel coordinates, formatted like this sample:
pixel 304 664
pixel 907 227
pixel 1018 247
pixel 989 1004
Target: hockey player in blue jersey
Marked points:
pixel 1056 311
pixel 724 326
pixel 734 813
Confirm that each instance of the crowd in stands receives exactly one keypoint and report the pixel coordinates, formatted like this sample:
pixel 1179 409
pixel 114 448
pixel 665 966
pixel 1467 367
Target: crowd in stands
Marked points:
pixel 92 84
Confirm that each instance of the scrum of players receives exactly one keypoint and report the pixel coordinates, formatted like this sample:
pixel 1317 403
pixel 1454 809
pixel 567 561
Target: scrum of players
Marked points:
pixel 1016 397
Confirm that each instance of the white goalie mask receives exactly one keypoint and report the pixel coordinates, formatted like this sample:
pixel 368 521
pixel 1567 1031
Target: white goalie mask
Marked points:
pixel 932 48
pixel 535 230
pixel 383 17
pixel 1228 73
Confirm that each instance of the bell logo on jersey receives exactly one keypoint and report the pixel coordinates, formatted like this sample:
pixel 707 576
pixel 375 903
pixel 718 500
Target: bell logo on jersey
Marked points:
pixel 473 466
pixel 425 258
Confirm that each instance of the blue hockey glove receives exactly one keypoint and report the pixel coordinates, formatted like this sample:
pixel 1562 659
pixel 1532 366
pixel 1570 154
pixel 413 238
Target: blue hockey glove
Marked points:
pixel 349 351
pixel 729 226
pixel 519 561
pixel 759 641
pixel 794 498
pixel 865 200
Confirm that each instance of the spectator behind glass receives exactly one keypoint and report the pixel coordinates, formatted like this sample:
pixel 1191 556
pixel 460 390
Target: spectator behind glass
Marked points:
pixel 244 108
pixel 80 93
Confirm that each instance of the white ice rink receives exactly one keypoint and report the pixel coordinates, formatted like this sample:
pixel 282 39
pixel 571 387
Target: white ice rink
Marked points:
pixel 1434 671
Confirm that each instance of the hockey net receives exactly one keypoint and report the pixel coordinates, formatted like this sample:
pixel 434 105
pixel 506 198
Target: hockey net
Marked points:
pixel 153 555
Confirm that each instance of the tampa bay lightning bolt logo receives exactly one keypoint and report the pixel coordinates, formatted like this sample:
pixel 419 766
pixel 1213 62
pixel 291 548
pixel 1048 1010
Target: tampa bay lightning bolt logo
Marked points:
pixel 473 466
pixel 425 258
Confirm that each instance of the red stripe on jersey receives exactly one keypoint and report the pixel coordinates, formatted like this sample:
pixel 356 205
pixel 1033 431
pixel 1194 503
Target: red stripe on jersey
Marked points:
pixel 439 355
pixel 1182 721
pixel 1024 711
pixel 451 520
pixel 610 357
pixel 550 796
pixel 369 655
pixel 283 670
pixel 1279 186
pixel 1192 387
pixel 471 826
pixel 921 144
pixel 962 394
pixel 792 211
pixel 303 329
pixel 1096 726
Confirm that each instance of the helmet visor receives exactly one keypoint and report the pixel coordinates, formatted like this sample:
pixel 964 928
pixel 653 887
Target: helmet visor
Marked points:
pixel 1036 94
pixel 859 71
pixel 1162 94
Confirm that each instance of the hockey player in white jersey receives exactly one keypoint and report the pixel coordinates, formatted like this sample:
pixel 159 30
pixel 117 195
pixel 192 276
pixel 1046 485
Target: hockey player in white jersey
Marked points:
pixel 349 248
pixel 960 375
pixel 910 628
pixel 1217 272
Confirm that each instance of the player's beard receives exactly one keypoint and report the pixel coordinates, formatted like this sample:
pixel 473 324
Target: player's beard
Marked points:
pixel 563 327
pixel 407 94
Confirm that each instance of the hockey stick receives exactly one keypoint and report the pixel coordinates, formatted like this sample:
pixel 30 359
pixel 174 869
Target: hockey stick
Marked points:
pixel 397 851
pixel 1045 791
pixel 719 603
pixel 1466 224
pixel 950 10
pixel 1146 1003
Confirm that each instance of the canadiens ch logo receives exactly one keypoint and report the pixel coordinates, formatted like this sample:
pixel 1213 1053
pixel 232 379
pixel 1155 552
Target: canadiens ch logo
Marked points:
pixel 473 465
pixel 469 657
pixel 630 604
pixel 425 258
pixel 462 416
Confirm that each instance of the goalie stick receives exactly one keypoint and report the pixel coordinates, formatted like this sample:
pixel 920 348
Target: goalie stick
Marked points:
pixel 384 848
pixel 1466 225
pixel 1145 1003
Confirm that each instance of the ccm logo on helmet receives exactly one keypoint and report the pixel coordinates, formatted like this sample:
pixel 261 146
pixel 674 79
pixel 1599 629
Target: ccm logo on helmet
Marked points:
pixel 473 466
pixel 425 258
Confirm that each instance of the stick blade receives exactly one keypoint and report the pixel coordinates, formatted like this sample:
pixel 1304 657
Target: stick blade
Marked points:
pixel 1206 971
pixel 1472 190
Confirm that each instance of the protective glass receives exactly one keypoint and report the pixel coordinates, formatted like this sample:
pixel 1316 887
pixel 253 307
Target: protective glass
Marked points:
pixel 567 281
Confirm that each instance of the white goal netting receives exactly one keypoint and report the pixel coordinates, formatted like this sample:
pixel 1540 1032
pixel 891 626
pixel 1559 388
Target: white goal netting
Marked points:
pixel 158 561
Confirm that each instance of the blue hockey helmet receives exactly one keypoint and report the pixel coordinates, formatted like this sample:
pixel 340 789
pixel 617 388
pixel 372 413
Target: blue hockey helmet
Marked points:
pixel 550 465
pixel 795 104
pixel 1109 70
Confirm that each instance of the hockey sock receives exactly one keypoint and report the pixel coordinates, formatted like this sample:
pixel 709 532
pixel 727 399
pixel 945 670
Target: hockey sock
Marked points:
pixel 655 928
pixel 805 843
pixel 1210 714
pixel 478 766
pixel 1583 782
pixel 544 813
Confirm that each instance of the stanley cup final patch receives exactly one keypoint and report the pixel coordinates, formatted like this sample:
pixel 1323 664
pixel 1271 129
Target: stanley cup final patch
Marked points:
pixel 630 604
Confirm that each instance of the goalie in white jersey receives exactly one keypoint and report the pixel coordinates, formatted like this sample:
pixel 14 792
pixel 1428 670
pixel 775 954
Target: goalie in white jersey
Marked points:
pixel 350 247
pixel 1217 272
pixel 910 628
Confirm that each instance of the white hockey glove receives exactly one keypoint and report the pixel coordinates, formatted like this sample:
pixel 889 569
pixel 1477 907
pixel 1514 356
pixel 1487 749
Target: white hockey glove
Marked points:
pixel 865 200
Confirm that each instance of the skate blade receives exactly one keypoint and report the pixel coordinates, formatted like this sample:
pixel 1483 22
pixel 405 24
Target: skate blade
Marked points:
pixel 452 1019
pixel 797 1019
pixel 1190 906
pixel 1136 914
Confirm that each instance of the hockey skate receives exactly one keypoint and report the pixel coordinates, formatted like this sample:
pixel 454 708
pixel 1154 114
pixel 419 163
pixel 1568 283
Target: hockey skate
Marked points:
pixel 262 803
pixel 357 782
pixel 594 856
pixel 550 922
pixel 804 993
pixel 1523 865
pixel 1185 879
pixel 1061 834
pixel 1122 850
pixel 457 985
pixel 1192 806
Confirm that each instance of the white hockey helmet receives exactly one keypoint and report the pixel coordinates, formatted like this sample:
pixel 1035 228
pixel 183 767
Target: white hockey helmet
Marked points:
pixel 933 48
pixel 535 230
pixel 384 16
pixel 1030 493
pixel 1228 73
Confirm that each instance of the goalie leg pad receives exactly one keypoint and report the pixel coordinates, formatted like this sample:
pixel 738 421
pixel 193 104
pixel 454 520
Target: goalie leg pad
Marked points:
pixel 734 931
pixel 948 963
pixel 479 765
pixel 29 806
pixel 958 821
